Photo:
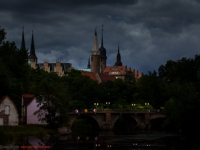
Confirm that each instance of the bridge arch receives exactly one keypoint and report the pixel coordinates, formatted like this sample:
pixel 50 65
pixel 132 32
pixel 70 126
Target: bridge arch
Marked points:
pixel 135 120
pixel 88 119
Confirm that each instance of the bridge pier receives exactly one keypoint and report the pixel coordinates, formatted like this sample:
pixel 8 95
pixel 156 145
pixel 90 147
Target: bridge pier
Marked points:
pixel 107 124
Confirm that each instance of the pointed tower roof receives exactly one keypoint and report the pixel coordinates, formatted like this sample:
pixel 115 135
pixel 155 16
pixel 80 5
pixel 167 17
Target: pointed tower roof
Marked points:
pixel 88 66
pixel 102 49
pixel 118 62
pixel 23 41
pixel 32 50
pixel 95 49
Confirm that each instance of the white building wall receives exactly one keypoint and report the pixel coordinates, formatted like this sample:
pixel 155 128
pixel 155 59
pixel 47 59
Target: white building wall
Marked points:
pixel 13 114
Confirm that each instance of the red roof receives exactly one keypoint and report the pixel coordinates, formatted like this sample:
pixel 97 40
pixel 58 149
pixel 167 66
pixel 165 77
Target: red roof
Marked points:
pixel 89 74
pixel 28 96
pixel 99 77
pixel 104 77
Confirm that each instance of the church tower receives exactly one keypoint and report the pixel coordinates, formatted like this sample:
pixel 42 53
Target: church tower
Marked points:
pixel 32 59
pixel 118 62
pixel 95 55
pixel 103 56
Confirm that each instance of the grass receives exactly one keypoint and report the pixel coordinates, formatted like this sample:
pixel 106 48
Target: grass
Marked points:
pixel 25 130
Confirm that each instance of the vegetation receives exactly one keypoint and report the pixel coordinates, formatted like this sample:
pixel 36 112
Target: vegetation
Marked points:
pixel 26 130
pixel 174 87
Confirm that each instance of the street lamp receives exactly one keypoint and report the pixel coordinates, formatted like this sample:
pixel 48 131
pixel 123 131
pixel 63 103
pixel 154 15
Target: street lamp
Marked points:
pixel 147 109
pixel 108 103
pixel 133 105
pixel 96 104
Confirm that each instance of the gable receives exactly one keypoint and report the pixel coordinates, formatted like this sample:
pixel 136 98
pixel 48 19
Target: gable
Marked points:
pixel 6 100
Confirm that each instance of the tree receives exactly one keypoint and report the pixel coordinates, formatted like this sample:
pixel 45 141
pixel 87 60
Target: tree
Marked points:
pixel 52 98
pixel 151 89
pixel 183 109
pixel 14 71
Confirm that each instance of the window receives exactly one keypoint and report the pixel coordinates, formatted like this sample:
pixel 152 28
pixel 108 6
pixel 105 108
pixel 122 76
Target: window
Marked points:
pixel 114 72
pixel 7 110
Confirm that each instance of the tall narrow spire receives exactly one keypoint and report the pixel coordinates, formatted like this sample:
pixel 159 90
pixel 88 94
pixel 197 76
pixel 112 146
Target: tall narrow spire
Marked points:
pixel 95 31
pixel 88 66
pixel 95 48
pixel 32 50
pixel 102 49
pixel 23 41
pixel 102 37
pixel 118 48
pixel 118 62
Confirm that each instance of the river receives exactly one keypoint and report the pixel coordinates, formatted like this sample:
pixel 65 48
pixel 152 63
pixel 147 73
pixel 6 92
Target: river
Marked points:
pixel 101 140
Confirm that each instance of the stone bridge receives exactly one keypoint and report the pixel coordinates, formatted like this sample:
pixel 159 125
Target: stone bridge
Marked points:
pixel 106 119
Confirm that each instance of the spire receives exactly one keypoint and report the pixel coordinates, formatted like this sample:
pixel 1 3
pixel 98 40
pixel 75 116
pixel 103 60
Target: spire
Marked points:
pixel 32 50
pixel 95 49
pixel 102 49
pixel 88 66
pixel 23 40
pixel 118 48
pixel 95 31
pixel 118 62
pixel 102 37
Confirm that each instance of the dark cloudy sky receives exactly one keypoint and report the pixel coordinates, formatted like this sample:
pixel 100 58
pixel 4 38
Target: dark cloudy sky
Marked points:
pixel 150 32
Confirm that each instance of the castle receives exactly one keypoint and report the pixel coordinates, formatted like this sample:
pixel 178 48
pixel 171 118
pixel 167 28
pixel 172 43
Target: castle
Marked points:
pixel 96 62
pixel 58 67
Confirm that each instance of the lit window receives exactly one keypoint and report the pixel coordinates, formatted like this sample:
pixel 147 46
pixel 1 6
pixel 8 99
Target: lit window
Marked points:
pixel 7 110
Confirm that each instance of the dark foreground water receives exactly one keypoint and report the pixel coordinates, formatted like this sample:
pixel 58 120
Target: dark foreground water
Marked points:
pixel 103 140
pixel 108 140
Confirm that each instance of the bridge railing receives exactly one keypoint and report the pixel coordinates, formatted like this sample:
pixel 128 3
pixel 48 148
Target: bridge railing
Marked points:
pixel 116 111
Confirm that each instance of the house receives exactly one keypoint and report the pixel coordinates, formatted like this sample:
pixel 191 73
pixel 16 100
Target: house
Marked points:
pixel 120 72
pixel 8 112
pixel 29 106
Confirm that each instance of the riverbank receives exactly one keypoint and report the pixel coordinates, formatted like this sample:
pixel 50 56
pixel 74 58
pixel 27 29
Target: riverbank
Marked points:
pixel 25 130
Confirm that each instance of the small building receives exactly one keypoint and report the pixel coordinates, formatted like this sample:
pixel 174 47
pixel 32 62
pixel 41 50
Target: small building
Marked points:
pixel 29 106
pixel 120 72
pixel 8 112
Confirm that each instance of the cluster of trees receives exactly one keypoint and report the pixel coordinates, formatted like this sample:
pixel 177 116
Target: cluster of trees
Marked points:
pixel 174 87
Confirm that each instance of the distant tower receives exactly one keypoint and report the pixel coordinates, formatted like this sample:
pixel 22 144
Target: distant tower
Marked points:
pixel 95 55
pixel 32 59
pixel 88 66
pixel 118 62
pixel 103 56
pixel 23 41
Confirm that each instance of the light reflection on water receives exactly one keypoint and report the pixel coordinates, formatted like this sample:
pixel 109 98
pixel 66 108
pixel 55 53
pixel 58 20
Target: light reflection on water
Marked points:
pixel 108 140
pixel 102 140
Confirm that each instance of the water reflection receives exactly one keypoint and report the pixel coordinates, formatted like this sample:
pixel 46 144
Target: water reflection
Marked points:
pixel 104 140
pixel 109 140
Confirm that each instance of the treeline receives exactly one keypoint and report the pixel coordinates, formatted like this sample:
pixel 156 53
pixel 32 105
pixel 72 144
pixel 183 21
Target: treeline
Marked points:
pixel 174 87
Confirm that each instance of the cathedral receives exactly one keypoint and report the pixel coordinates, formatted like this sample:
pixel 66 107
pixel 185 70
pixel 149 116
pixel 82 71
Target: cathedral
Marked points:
pixel 96 62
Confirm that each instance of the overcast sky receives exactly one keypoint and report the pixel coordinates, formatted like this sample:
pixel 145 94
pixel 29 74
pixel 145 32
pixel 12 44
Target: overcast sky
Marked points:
pixel 149 32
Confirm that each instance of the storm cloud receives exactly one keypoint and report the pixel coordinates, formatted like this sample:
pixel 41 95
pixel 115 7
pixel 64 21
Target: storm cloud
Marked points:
pixel 148 32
